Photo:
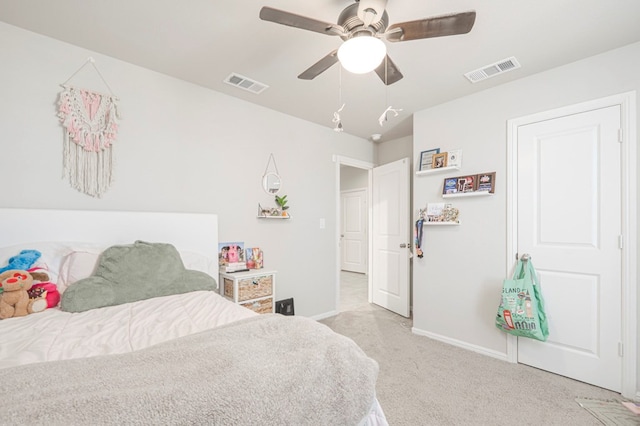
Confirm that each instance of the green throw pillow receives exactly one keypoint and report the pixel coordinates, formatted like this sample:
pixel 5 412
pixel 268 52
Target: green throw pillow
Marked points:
pixel 132 272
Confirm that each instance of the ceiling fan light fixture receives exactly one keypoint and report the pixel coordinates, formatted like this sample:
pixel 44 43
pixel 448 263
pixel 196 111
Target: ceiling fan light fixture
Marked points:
pixel 362 54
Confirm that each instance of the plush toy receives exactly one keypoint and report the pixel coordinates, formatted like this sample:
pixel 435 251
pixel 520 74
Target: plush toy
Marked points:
pixel 14 300
pixel 24 260
pixel 43 288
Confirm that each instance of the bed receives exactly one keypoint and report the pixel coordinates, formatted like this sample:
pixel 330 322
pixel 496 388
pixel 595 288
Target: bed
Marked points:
pixel 189 357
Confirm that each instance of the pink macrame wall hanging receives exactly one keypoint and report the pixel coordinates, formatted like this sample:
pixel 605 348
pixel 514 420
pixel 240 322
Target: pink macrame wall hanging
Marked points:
pixel 90 122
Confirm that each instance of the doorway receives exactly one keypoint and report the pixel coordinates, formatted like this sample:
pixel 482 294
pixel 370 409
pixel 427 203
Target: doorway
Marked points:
pixel 389 241
pixel 580 237
pixel 354 225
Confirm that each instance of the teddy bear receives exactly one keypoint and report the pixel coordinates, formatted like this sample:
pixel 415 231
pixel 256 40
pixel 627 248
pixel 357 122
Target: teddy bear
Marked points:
pixel 14 300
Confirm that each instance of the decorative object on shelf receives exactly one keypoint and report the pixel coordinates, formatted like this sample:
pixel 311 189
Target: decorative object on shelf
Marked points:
pixel 231 257
pixel 282 204
pixel 271 180
pixel 441 212
pixel 450 186
pixel 454 158
pixel 90 121
pixel 450 214
pixel 467 183
pixel 271 213
pixel 439 160
pixel 487 182
pixel 483 183
pixel 254 258
pixel 426 158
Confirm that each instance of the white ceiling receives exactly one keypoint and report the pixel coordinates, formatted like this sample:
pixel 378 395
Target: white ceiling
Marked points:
pixel 203 41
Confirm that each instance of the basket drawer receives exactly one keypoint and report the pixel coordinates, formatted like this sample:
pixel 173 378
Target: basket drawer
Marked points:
pixel 228 288
pixel 262 306
pixel 255 287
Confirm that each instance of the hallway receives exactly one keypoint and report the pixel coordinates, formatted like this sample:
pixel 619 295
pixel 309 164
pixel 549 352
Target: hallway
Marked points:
pixel 353 291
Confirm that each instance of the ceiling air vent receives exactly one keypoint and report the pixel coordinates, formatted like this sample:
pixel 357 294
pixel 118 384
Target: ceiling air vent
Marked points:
pixel 245 83
pixel 493 70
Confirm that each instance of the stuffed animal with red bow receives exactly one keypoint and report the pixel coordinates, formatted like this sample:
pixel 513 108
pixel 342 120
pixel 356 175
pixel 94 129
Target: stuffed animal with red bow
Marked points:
pixel 14 300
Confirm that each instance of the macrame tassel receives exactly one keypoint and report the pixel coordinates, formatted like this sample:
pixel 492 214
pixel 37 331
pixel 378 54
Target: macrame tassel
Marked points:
pixel 89 172
pixel 90 122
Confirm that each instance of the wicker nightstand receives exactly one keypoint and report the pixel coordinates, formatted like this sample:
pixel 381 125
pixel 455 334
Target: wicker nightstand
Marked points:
pixel 253 289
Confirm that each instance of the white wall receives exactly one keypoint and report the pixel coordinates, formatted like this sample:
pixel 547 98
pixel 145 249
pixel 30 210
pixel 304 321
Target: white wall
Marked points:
pixel 353 178
pixel 457 283
pixel 395 149
pixel 180 148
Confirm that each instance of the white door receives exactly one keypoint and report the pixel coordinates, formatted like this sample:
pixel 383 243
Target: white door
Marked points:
pixel 391 237
pixel 569 221
pixel 353 235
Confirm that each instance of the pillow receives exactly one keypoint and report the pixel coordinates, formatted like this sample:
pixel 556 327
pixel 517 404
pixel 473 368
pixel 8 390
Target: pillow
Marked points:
pixel 128 273
pixel 200 262
pixel 76 266
pixel 53 253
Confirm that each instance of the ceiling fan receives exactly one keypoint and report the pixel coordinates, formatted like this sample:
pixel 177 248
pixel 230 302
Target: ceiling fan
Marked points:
pixel 367 22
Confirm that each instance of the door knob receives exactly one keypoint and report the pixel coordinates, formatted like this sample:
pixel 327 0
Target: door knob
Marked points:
pixel 403 245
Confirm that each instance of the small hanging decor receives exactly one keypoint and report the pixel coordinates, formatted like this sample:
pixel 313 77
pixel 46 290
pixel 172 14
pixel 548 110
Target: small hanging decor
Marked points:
pixel 90 122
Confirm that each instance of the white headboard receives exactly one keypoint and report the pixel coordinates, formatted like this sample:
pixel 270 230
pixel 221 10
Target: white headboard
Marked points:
pixel 196 232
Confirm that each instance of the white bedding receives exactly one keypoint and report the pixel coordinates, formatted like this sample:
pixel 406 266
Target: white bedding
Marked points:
pixel 56 335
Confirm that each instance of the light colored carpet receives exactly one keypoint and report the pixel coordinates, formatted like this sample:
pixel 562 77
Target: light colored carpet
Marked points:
pixel 426 382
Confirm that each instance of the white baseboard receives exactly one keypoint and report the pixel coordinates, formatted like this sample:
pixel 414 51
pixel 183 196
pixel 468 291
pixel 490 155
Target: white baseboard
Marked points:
pixel 324 315
pixel 461 344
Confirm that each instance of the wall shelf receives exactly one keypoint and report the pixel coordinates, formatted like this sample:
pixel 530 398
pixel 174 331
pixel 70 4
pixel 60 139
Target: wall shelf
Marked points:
pixel 440 223
pixel 274 217
pixel 468 194
pixel 438 170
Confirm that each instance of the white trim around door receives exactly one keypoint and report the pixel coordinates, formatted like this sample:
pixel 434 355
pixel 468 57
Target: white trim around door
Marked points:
pixel 629 241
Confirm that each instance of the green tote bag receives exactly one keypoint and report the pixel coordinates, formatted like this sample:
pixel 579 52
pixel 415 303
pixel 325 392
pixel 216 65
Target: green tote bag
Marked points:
pixel 521 311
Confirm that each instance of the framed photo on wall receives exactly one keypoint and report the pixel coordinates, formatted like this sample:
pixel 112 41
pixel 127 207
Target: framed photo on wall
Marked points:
pixel 454 158
pixel 450 186
pixel 439 160
pixel 487 182
pixel 426 158
pixel 467 183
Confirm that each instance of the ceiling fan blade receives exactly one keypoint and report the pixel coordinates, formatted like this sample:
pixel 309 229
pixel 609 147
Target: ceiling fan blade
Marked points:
pixel 319 67
pixel 286 18
pixel 437 26
pixel 388 71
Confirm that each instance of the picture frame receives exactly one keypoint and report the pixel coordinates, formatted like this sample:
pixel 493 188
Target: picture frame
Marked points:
pixel 486 182
pixel 230 252
pixel 426 158
pixel 454 158
pixel 450 186
pixel 466 183
pixel 434 212
pixel 439 160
